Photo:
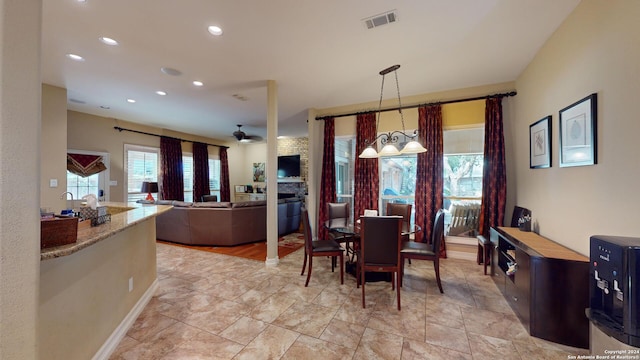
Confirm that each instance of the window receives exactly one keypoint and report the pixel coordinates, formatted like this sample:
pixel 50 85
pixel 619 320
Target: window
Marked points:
pixel 80 186
pixel 398 181
pixel 214 177
pixel 463 163
pixel 344 149
pixel 142 164
pixel 187 171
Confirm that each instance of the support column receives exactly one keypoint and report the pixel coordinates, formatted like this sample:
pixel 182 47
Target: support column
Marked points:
pixel 272 173
pixel 20 93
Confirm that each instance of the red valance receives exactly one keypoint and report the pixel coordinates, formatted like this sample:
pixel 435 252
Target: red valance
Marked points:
pixel 85 165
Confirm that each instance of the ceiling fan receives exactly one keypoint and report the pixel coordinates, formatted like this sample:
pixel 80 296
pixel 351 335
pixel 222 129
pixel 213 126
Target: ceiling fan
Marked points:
pixel 241 136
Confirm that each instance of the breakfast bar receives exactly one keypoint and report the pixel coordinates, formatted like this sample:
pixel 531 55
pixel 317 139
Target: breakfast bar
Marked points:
pixel 93 289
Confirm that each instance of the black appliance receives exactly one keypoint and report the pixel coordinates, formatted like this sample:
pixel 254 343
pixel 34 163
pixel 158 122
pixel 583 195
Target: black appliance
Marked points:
pixel 614 287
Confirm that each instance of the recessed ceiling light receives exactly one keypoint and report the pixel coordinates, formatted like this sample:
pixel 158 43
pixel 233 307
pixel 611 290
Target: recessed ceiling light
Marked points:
pixel 198 83
pixel 81 1
pixel 161 93
pixel 215 30
pixel 170 71
pixel 108 41
pixel 105 107
pixel 131 101
pixel 75 57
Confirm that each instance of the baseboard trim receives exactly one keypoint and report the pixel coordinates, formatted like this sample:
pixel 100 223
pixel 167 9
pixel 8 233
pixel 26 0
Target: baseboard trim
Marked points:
pixel 461 240
pixel 272 261
pixel 461 255
pixel 118 334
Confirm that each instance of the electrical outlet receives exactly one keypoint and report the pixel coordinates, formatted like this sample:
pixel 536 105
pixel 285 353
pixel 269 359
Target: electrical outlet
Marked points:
pixel 131 284
pixel 53 183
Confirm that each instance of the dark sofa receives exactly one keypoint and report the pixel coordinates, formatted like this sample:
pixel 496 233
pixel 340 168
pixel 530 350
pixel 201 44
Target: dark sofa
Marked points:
pixel 288 215
pixel 223 223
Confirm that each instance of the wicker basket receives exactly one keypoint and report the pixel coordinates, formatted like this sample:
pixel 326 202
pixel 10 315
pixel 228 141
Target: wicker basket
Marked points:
pixel 61 230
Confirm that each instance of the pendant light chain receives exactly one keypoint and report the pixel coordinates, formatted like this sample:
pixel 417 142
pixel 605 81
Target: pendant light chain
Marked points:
pixel 380 105
pixel 399 102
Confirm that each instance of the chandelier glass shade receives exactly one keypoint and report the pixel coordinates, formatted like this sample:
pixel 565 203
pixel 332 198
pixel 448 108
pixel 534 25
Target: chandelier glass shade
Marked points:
pixel 390 139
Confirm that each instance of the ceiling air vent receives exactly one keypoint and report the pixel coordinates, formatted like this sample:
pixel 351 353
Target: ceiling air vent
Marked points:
pixel 381 19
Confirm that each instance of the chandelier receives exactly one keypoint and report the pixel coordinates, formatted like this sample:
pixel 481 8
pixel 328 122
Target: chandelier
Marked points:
pixel 390 139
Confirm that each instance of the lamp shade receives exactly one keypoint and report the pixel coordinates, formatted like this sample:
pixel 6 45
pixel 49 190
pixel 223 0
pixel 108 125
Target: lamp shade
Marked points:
pixel 369 153
pixel 149 187
pixel 389 150
pixel 413 147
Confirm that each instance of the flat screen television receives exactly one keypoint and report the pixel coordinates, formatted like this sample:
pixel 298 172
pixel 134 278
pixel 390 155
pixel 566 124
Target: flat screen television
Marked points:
pixel 288 166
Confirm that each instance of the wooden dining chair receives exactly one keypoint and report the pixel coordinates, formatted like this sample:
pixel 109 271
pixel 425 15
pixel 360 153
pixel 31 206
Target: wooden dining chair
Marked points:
pixel 379 250
pixel 426 251
pixel 403 210
pixel 338 214
pixel 319 248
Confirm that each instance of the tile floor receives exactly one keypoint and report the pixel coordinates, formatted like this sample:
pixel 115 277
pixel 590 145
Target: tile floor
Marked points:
pixel 211 306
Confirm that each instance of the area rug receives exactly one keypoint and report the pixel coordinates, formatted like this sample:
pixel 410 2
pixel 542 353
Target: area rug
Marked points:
pixel 255 251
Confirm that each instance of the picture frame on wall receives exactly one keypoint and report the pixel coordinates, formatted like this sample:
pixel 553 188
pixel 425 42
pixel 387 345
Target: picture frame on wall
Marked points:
pixel 578 133
pixel 540 143
pixel 258 172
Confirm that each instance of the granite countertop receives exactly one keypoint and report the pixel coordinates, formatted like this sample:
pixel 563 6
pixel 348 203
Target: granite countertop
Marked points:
pixel 123 215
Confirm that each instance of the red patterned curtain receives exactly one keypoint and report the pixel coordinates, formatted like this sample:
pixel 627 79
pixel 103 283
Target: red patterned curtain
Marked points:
pixel 200 171
pixel 171 167
pixel 366 170
pixel 328 181
pixel 429 182
pixel 225 190
pixel 494 174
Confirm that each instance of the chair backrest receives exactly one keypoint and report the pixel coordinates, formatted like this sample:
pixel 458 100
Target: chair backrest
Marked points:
pixel 403 210
pixel 308 238
pixel 380 240
pixel 206 198
pixel 437 233
pixel 337 211
pixel 518 212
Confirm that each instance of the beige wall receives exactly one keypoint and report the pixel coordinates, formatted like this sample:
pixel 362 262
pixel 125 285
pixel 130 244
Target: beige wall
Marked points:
pixel 20 91
pixel 84 296
pixel 96 133
pixel 596 50
pixel 53 152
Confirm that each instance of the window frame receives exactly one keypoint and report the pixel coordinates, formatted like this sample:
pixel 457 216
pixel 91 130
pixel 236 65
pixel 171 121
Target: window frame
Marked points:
pixel 138 148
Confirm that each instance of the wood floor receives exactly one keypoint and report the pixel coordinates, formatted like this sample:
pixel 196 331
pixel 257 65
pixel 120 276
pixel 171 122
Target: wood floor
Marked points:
pixel 254 251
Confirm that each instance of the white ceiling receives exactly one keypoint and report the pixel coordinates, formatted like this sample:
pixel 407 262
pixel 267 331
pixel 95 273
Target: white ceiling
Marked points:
pixel 319 52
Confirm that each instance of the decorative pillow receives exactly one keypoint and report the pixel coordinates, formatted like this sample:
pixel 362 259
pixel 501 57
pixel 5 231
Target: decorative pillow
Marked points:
pixel 177 203
pixel 212 204
pixel 248 203
pixel 164 202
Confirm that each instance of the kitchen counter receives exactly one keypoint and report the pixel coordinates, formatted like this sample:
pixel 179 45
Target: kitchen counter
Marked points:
pixel 123 215
pixel 91 291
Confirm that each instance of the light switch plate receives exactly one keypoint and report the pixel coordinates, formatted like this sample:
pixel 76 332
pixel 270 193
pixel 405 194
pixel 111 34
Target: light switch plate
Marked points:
pixel 113 182
pixel 53 183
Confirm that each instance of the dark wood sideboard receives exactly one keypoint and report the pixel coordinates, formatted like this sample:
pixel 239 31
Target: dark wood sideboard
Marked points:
pixel 549 290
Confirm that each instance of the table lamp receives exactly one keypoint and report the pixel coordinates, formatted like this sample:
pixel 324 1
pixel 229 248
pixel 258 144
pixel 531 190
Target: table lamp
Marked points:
pixel 149 187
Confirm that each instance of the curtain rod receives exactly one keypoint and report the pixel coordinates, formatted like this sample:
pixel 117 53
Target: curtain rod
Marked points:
pixel 507 94
pixel 146 133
